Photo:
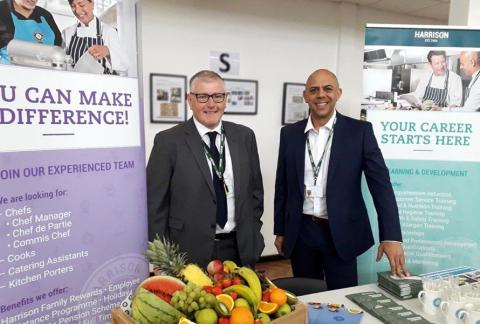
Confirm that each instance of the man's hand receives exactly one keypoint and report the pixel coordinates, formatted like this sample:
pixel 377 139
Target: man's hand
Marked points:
pixel 396 258
pixel 99 52
pixel 279 244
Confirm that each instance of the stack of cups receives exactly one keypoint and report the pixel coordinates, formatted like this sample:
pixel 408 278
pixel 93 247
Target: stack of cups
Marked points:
pixel 471 313
pixel 454 303
pixel 431 296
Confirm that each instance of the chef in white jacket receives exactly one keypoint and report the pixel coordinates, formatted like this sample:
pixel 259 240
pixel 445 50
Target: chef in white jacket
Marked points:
pixel 443 87
pixel 91 35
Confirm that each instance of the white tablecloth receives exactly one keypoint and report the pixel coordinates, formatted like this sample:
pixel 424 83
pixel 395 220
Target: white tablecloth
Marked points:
pixel 338 297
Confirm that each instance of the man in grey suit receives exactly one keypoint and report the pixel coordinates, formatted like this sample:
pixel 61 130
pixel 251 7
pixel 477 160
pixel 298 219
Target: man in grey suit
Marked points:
pixel 204 185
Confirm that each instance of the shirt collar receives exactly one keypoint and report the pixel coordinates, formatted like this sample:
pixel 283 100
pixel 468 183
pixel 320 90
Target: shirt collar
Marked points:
pixel 91 25
pixel 328 125
pixel 474 74
pixel 202 130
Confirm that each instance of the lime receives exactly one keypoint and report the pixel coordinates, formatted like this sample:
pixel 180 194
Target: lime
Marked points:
pixel 206 316
pixel 241 302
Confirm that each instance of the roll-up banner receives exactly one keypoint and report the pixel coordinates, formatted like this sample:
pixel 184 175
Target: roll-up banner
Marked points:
pixel 72 163
pixel 421 95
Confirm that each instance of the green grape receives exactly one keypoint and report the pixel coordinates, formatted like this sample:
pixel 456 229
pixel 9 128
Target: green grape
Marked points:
pixel 183 296
pixel 181 303
pixel 192 295
pixel 203 293
pixel 210 299
pixel 189 300
pixel 190 309
pixel 201 300
pixel 194 306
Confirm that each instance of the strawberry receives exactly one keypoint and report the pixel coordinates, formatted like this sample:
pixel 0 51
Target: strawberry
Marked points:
pixel 216 290
pixel 208 289
pixel 266 296
pixel 226 283
pixel 236 281
pixel 223 320
pixel 234 295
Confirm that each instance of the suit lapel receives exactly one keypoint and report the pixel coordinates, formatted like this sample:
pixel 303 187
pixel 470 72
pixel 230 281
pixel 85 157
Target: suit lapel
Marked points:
pixel 336 147
pixel 299 145
pixel 195 144
pixel 234 148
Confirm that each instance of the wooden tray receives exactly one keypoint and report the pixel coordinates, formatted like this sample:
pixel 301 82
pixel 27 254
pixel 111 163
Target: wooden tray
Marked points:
pixel 298 316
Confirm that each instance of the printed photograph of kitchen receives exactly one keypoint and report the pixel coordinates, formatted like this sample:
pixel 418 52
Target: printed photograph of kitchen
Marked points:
pixel 428 79
pixel 70 35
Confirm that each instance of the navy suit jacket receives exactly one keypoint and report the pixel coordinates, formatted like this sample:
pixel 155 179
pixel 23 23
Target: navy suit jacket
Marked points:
pixel 354 151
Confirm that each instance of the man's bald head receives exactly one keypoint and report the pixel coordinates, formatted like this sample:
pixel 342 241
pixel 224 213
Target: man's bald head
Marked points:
pixel 470 62
pixel 323 72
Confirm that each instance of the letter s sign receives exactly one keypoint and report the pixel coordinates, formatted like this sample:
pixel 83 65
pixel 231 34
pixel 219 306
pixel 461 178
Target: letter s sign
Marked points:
pixel 224 62
pixel 223 59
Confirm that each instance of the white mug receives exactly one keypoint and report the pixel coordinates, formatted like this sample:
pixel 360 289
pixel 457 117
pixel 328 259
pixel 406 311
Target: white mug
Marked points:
pixel 469 316
pixel 431 300
pixel 451 310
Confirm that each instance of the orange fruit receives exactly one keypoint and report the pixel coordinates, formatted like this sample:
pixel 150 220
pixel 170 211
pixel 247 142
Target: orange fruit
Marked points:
pixel 278 296
pixel 241 315
pixel 227 300
pixel 267 308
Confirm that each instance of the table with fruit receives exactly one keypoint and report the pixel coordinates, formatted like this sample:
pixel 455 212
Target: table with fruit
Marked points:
pixel 224 294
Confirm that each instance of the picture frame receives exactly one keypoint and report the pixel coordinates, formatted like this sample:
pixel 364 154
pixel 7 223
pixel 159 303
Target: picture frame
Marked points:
pixel 168 102
pixel 294 107
pixel 242 96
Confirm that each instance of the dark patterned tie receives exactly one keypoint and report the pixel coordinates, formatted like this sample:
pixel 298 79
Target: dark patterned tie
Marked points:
pixel 218 183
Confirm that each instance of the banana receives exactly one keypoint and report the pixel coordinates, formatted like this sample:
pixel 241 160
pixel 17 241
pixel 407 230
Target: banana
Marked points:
pixel 292 299
pixel 230 265
pixel 270 283
pixel 244 292
pixel 252 280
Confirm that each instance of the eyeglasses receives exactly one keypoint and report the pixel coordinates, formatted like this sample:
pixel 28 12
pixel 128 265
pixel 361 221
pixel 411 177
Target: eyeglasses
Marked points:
pixel 203 97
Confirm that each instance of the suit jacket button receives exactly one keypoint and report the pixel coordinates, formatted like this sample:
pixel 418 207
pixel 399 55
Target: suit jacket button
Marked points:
pixel 213 225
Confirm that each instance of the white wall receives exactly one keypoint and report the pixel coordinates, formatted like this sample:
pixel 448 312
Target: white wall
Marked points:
pixel 278 41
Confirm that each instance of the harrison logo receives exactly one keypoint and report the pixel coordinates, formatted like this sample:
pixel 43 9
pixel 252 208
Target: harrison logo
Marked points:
pixel 431 34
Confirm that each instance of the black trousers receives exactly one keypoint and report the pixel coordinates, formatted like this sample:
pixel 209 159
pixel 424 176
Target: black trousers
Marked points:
pixel 225 248
pixel 314 256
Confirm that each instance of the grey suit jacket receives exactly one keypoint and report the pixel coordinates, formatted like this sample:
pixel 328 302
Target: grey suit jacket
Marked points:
pixel 181 198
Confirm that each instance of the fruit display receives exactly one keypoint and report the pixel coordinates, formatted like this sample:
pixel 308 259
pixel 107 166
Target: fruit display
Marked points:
pixel 224 294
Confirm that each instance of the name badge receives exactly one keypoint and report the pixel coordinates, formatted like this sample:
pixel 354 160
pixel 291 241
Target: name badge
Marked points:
pixel 313 192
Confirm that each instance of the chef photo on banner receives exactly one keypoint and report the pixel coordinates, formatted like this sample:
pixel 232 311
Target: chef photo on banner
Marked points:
pixel 442 87
pixel 25 21
pixel 93 45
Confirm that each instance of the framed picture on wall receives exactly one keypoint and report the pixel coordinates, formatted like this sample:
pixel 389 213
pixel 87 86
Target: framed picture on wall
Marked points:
pixel 167 98
pixel 294 107
pixel 242 96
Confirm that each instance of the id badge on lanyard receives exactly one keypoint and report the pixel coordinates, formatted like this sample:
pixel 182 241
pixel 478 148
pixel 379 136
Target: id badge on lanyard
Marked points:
pixel 316 193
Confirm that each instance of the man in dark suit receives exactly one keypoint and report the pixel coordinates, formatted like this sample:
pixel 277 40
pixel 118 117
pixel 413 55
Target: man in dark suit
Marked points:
pixel 204 185
pixel 321 221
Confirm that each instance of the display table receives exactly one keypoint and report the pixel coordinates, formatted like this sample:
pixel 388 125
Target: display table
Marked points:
pixel 338 297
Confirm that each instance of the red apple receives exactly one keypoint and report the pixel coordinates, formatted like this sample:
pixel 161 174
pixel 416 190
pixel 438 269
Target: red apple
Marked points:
pixel 219 276
pixel 214 267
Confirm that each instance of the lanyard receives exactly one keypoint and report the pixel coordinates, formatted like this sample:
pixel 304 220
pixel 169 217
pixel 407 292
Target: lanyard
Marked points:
pixel 316 168
pixel 220 168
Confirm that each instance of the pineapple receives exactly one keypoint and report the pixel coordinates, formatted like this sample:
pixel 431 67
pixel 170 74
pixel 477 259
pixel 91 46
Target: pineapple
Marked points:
pixel 167 260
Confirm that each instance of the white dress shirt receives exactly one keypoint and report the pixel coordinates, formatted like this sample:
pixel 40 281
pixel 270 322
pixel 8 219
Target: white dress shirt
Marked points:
pixel 473 100
pixel 454 96
pixel 227 175
pixel 318 143
pixel 118 60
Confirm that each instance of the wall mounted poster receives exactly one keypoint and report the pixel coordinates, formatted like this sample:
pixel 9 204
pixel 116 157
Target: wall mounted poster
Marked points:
pixel 72 192
pixel 417 85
